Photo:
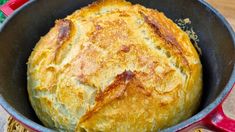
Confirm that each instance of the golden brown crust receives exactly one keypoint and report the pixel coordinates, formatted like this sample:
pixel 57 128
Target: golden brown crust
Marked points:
pixel 114 66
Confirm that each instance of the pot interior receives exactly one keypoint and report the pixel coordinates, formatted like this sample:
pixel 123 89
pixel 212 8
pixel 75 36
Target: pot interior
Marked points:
pixel 22 32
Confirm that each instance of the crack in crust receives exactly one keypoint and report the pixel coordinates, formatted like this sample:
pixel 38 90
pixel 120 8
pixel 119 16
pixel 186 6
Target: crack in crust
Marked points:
pixel 116 90
pixel 165 35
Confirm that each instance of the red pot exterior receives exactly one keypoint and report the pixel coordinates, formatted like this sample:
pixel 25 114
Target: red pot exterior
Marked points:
pixel 9 7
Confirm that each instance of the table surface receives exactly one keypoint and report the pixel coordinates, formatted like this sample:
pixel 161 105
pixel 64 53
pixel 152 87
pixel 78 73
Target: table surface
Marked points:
pixel 225 7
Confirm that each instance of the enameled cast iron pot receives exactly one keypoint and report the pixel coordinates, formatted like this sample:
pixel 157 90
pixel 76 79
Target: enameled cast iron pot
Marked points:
pixel 23 29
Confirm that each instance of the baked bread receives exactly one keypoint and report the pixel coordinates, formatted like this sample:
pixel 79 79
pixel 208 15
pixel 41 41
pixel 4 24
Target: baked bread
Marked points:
pixel 114 66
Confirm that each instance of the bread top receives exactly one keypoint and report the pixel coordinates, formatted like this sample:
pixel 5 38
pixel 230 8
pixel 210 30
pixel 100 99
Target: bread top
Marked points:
pixel 114 66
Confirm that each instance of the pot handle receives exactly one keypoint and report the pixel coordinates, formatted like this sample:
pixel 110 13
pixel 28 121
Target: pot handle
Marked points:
pixel 218 119
pixel 9 7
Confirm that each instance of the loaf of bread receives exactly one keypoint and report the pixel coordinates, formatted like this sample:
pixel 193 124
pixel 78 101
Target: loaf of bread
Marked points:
pixel 114 66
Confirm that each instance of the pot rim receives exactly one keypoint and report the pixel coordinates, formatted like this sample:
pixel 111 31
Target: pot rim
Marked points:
pixel 197 117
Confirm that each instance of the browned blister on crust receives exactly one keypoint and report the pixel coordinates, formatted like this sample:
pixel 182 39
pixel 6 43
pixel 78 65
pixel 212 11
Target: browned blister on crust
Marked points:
pixel 114 66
